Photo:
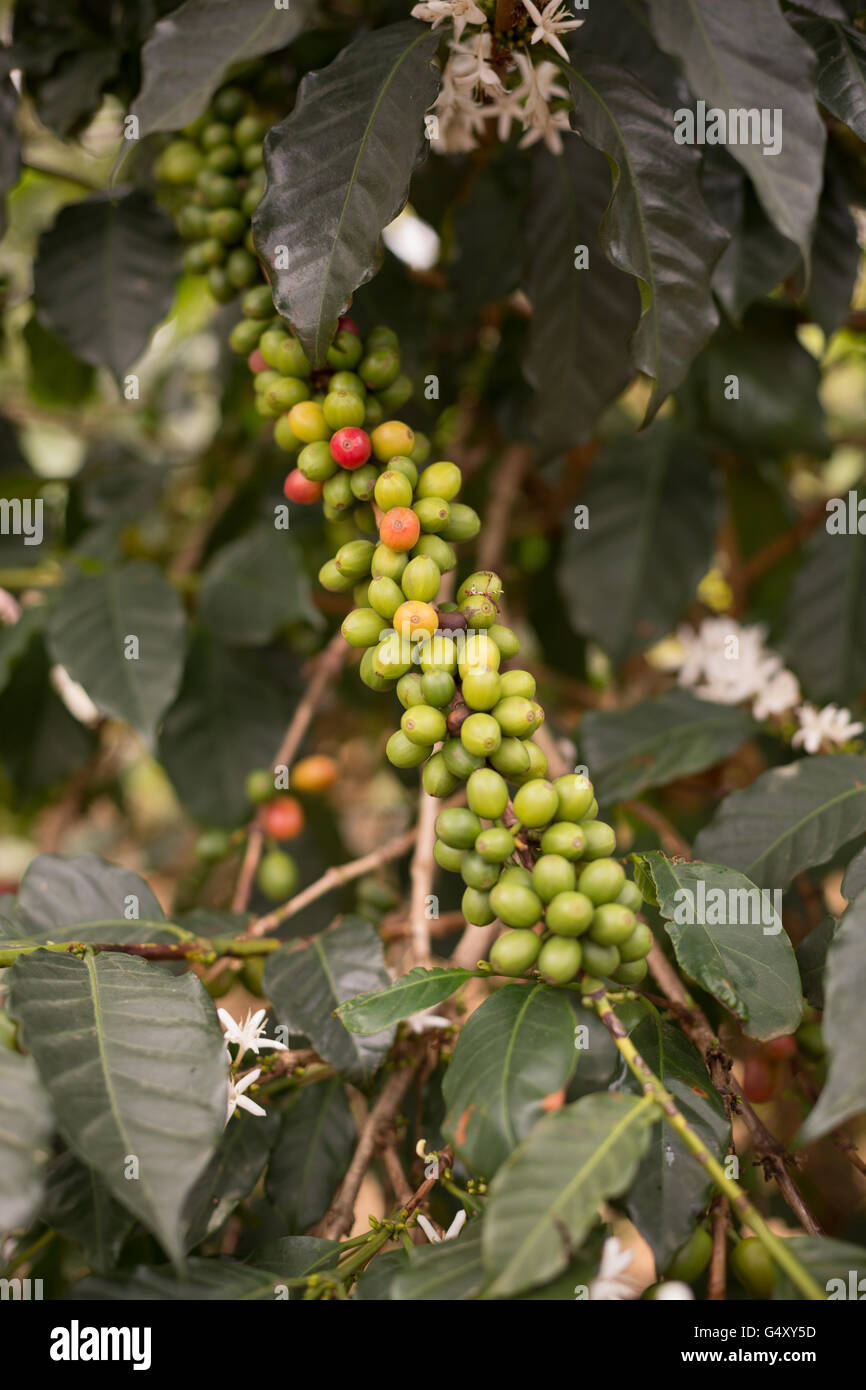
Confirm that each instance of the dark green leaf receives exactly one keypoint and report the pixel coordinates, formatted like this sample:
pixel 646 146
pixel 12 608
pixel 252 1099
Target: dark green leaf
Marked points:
pixel 255 586
pixel 825 640
pixel 745 959
pixel 190 51
pixel 719 54
pixel 102 901
pixel 376 1283
pixel 311 1154
pixel 26 1126
pixel 647 496
pixel 657 226
pixel 134 1061
pixel 855 876
pixel 420 989
pixel 791 818
pixel 40 741
pixel 201 1280
pixel 545 1197
pixel 671 1187
pixel 79 1206
pixel 757 258
pixel 105 275
pixel 229 717
pixel 841 81
pixel 10 157
pixel 844 1026
pixel 16 637
pixel 57 377
pixel 307 983
pixel 656 741
pixel 231 1174
pixel 448 1272
pixel 338 173
pixel 120 633
pixel 835 252
pixel 812 959
pixel 582 319
pixel 517 1049
pixel 837 1265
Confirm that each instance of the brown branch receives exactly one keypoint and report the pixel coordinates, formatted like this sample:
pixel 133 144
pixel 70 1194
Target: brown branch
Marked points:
pixel 717 1279
pixel 506 15
pixel 333 878
pixel 396 1177
pixel 509 476
pixel 421 877
pixel 337 1221
pixel 325 668
pixel 670 838
pixel 771 1154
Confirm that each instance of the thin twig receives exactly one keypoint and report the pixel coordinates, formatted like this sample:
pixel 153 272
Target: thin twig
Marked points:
pixel 672 842
pixel 717 1278
pixel 337 1221
pixel 421 876
pixel 509 476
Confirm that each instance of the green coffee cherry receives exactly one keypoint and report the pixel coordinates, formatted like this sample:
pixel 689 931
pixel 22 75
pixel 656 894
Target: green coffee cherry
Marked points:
pixel 520 683
pixel 370 676
pixel 599 960
pixel 421 578
pixel 515 905
pixel 422 724
pixel 480 734
pixel 342 408
pixel 487 793
pixel 575 795
pixel 477 873
pixel 245 336
pixel 630 896
pixel 354 558
pixel 559 960
pixel 636 946
pixel 612 924
pixel 440 552
pixel 362 481
pixel 409 690
pixel 517 717
pixel 602 881
pixel 475 906
pixel 569 914
pixel 463 523
pixel 337 492
pixel 361 627
pixel 507 641
pixel 753 1267
pixel 459 760
pixel 552 874
pixel 692 1258
pixel 259 785
pixel 278 875
pixel 600 839
pixel 479 611
pixel 331 579
pixel 630 973
pixel 402 752
pixel 515 952
pixel 401 463
pixel 446 856
pixel 516 873
pixel 437 688
pixel 212 845
pixel 458 827
pixel 496 844
pixel 535 803
pixel 481 689
pixel 436 778
pixel 511 757
pixel 388 563
pixel 433 513
pixel 385 596
pixel 392 489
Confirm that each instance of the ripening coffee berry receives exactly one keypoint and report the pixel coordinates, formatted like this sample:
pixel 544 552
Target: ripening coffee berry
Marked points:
pixel 495 844
pixel 388 563
pixel 602 881
pixel 399 528
pixel 518 718
pixel 514 904
pixel 337 492
pixel 479 611
pixel 422 724
pixel 354 558
pixel 385 596
pixel 350 447
pixel 342 408
pixel 401 463
pixel 362 627
pixel 308 422
pixel 402 752
pixel 439 551
pixel 507 641
pixel 481 689
pixel 390 658
pixel 259 785
pixel 478 651
pixel 514 952
pixel 391 439
pixel 278 875
pixel 523 684
pixel 480 734
pixel 463 523
pixel 440 480
pixel 636 946
pixel 487 794
pixel 552 874
pixel 559 960
pixel 535 803
pixel 458 827
pixel 569 914
pixel 392 489
pixel 283 817
pixel 331 579
pixel 436 779
pixel 475 906
pixel 314 774
pixel 600 839
pixel 480 582
pixel 421 578
pixel 612 924
pixel 438 653
pixel 515 873
pixel 477 872
pixel 599 960
pixel 564 837
pixel 446 856
pixel 302 490
pixel 345 351
pixel 415 620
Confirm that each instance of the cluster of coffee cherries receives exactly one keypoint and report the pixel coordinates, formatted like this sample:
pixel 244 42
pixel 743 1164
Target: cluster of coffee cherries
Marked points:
pixel 216 166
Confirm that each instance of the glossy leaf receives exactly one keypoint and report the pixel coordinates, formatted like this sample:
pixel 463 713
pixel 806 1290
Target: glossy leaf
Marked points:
pixel 311 1154
pixel 254 586
pixel 134 1062
pixel 26 1126
pixel 744 959
pixel 514 1052
pixel 812 960
pixel 338 173
pixel 825 640
pixel 418 990
pixel 844 1026
pixel 307 983
pixel 80 1207
pixel 230 1176
pixel 791 818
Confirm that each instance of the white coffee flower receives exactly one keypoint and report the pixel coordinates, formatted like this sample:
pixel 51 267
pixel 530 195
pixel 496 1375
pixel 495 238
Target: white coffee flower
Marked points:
pixel 236 1098
pixel 819 727
pixel 247 1035
pixel 780 694
pixel 458 12
pixel 453 1230
pixel 550 22
pixel 608 1283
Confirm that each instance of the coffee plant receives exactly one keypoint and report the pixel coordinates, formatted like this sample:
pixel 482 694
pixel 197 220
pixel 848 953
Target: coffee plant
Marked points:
pixel 433 651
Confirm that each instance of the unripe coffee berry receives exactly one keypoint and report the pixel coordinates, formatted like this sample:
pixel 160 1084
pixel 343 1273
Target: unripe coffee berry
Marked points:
pixel 425 725
pixel 575 795
pixel 511 757
pixel 600 839
pixel 637 946
pixel 481 690
pixel 520 683
pixel 485 582
pixel 518 718
pixel 487 794
pixel 552 874
pixel 458 827
pixel 507 641
pixel 259 785
pixel 440 480
pixel 402 752
pixel 559 960
pixel 599 960
pixel 446 856
pixel 630 973
pixel 459 760
pixel 421 579
pixel 514 904
pixel 569 914
pixel 479 612
pixel 362 627
pixel 392 489
pixel 602 881
pixel 495 844
pixel 437 688
pixel 515 952
pixel 630 896
pixel 480 734
pixel 612 924
pixel 477 873
pixel 475 906
pixel 436 779
pixel 433 513
pixel 535 803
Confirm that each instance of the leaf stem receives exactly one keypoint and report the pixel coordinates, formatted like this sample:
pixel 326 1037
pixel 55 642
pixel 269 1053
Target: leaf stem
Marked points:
pixel 738 1198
